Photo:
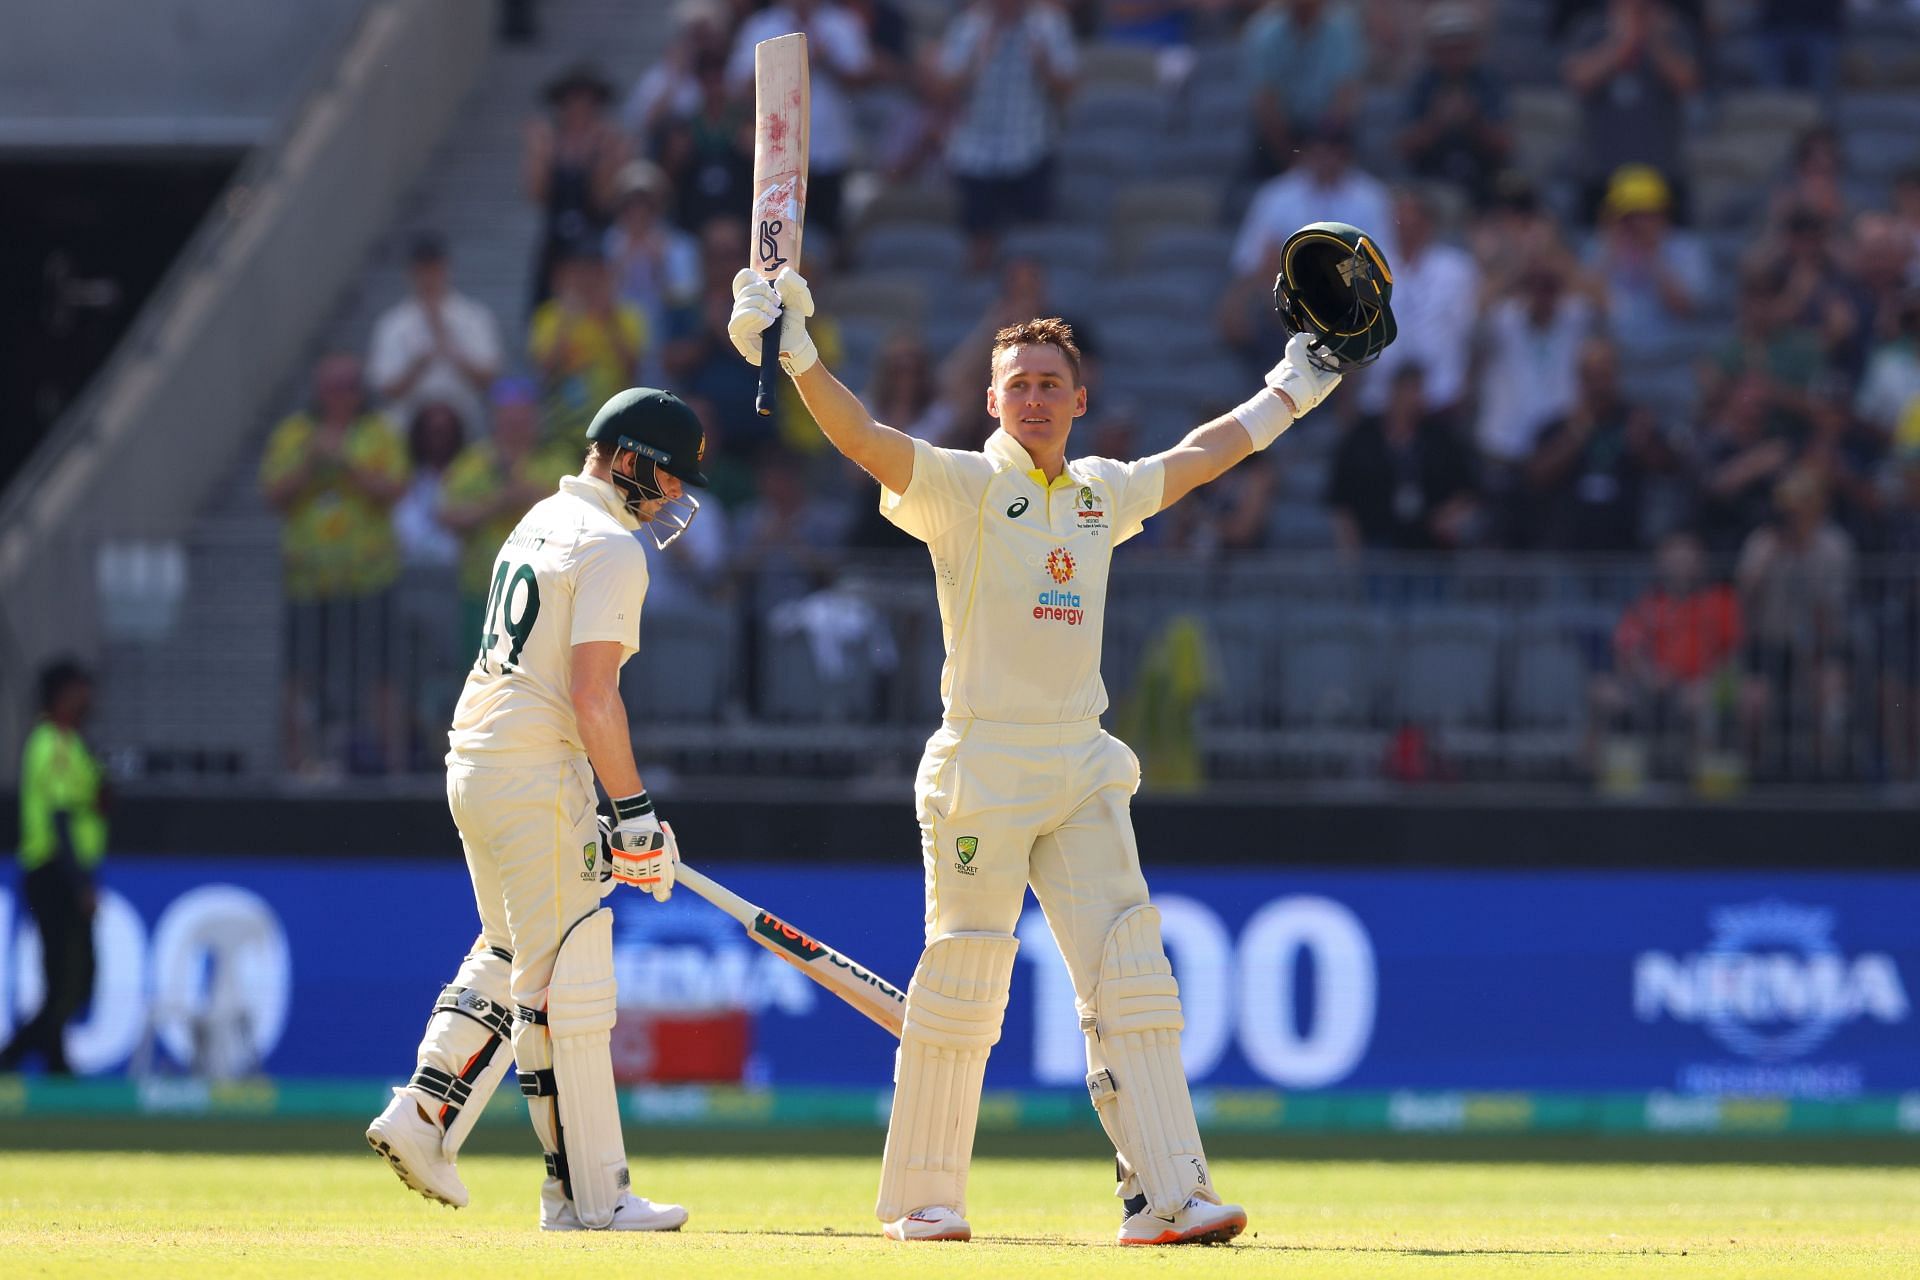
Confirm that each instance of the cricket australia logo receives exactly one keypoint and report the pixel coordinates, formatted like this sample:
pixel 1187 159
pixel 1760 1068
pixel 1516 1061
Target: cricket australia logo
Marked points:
pixel 589 854
pixel 1087 510
pixel 964 848
pixel 1771 984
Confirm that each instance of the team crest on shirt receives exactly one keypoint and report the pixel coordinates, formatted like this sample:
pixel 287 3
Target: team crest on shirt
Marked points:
pixel 1087 512
pixel 588 854
pixel 964 848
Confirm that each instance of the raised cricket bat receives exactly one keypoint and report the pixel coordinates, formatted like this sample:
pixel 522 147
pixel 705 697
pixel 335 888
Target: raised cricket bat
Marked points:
pixel 860 987
pixel 782 111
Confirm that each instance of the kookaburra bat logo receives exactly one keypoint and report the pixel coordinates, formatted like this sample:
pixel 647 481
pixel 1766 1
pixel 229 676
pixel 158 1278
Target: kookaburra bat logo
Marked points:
pixel 769 246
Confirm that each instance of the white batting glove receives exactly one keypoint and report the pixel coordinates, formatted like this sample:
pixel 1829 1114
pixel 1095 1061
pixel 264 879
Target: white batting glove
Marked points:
pixel 643 853
pixel 1300 380
pixel 757 303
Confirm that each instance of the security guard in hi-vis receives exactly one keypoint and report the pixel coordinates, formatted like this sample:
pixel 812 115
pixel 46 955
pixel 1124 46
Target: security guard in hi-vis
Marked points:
pixel 1020 785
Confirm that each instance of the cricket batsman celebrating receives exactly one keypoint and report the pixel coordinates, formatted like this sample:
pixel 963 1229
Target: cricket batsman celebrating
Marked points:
pixel 1020 785
pixel 539 718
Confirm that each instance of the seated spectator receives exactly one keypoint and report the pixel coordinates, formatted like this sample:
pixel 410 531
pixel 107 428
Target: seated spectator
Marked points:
pixel 656 266
pixel 1738 459
pixel 1796 582
pixel 1589 471
pixel 1876 289
pixel 569 160
pixel 1514 232
pixel 1436 288
pixel 1653 275
pixel 435 438
pixel 708 155
pixel 1892 383
pixel 1302 60
pixel 1457 112
pixel 1634 70
pixel 1798 43
pixel 334 473
pixel 1530 346
pixel 1815 180
pixel 1674 650
pixel 670 88
pixel 1402 479
pixel 491 484
pixel 788 536
pixel 1325 186
pixel 839 62
pixel 436 346
pixel 1005 68
pixel 585 342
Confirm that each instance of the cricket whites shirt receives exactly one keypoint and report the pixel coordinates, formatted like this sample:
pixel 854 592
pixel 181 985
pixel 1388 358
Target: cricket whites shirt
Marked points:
pixel 1020 567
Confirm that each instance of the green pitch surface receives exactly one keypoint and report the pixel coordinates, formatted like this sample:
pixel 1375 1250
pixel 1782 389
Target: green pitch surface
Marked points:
pixel 329 1210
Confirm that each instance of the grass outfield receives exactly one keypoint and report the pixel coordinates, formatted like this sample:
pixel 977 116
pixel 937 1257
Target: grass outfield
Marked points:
pixel 327 1210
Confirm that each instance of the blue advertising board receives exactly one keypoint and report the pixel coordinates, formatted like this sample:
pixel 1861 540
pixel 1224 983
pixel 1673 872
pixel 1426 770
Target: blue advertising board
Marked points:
pixel 1720 984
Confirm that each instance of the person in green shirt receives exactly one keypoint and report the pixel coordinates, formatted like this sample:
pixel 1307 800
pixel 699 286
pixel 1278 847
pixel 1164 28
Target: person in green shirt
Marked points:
pixel 63 834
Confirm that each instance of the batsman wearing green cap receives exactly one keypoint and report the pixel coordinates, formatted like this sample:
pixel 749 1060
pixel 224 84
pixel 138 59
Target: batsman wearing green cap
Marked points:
pixel 539 719
pixel 1020 786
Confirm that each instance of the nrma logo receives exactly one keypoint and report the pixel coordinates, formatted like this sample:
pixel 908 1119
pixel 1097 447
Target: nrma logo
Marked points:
pixel 1770 984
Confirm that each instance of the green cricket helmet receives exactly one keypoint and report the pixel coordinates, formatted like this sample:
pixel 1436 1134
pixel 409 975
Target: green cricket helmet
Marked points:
pixel 1336 287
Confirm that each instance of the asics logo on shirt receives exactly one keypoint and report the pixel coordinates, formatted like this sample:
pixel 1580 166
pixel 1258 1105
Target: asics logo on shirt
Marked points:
pixel 1017 508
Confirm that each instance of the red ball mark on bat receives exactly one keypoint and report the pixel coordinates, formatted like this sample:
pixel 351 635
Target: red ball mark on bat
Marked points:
pixel 776 131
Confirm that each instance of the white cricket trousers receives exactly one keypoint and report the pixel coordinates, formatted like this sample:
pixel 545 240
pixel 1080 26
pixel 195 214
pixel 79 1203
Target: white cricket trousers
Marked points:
pixel 532 843
pixel 1002 806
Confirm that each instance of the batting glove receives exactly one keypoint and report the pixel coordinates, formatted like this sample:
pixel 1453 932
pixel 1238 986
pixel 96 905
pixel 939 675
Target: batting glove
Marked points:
pixel 757 303
pixel 642 852
pixel 1300 379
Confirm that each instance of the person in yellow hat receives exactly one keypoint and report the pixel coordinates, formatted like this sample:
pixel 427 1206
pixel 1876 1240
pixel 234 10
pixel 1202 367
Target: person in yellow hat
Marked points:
pixel 1654 276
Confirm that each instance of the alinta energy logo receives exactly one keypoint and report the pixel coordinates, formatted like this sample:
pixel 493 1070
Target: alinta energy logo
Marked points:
pixel 1057 604
pixel 1771 985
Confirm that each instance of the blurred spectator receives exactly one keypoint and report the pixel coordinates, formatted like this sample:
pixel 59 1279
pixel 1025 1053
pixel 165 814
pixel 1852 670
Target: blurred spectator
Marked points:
pixel 1457 111
pixel 435 438
pixel 1402 479
pixel 1005 67
pixel 492 484
pixel 1325 186
pixel 1653 275
pixel 334 474
pixel 1798 44
pixel 1634 70
pixel 889 38
pixel 1897 619
pixel 1796 579
pixel 1673 654
pixel 436 346
pixel 670 89
pixel 1515 231
pixel 1589 471
pixel 702 362
pixel 570 159
pixel 1808 289
pixel 1738 460
pixel 585 342
pixel 839 61
pixel 906 392
pixel 1302 61
pixel 1815 180
pixel 1906 210
pixel 1787 355
pixel 1877 288
pixel 1435 290
pixel 708 154
pixel 63 836
pixel 656 266
pixel 1530 345
pixel 789 535
pixel 1892 382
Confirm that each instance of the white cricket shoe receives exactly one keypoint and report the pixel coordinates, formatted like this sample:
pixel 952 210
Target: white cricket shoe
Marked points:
pixel 936 1222
pixel 1200 1221
pixel 634 1213
pixel 411 1144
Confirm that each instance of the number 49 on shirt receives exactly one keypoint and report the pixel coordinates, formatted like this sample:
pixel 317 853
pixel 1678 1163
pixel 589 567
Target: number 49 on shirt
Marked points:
pixel 511 607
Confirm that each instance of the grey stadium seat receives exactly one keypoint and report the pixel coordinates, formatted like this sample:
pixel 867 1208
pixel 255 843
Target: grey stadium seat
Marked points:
pixel 682 668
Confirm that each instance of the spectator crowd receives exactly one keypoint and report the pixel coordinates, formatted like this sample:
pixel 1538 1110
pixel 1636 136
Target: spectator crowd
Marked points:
pixel 1606 347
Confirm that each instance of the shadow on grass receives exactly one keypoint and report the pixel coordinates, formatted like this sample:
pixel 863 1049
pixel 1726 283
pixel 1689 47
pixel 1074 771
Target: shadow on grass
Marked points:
pixel 238 1136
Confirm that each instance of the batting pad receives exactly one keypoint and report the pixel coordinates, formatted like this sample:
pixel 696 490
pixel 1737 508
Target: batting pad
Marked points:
pixel 462 1057
pixel 1138 1085
pixel 955 1005
pixel 581 1011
